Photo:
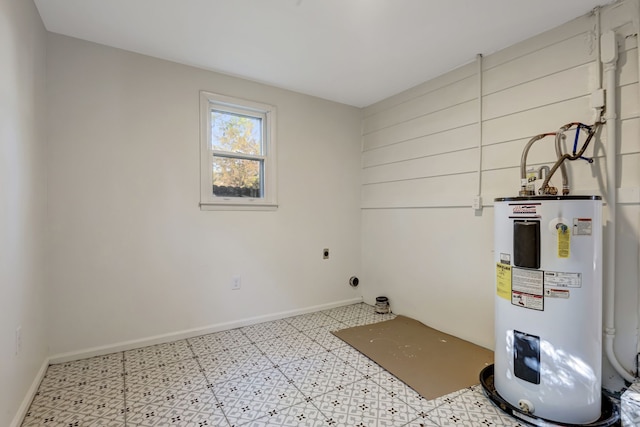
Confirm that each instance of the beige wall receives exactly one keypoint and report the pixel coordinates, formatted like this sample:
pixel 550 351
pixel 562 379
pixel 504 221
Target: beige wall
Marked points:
pixel 23 197
pixel 131 254
pixel 423 245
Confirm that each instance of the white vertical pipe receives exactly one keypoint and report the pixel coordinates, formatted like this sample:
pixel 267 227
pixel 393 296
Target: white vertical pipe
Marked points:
pixel 636 23
pixel 597 114
pixel 479 64
pixel 596 12
pixel 609 59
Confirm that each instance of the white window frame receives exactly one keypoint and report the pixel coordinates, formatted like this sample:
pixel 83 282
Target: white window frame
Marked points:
pixel 208 201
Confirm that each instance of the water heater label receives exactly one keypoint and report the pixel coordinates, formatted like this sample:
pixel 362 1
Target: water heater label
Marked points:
pixel 562 280
pixel 564 242
pixel 524 210
pixel 527 288
pixel 521 299
pixel 503 281
pixel 557 293
pixel 582 226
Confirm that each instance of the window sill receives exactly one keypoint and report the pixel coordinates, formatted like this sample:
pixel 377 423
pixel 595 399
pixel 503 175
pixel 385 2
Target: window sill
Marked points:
pixel 260 206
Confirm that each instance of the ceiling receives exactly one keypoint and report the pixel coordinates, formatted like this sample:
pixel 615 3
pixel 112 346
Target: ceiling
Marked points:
pixel 356 52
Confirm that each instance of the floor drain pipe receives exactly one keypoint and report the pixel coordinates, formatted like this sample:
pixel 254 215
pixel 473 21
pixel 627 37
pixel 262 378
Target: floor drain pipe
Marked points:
pixel 609 50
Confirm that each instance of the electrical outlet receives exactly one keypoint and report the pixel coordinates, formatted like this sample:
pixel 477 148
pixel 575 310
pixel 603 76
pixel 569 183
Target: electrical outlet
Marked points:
pixel 325 253
pixel 235 283
pixel 18 340
pixel 477 202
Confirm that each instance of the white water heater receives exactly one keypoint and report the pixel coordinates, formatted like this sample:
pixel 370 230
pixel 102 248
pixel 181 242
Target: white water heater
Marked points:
pixel 548 306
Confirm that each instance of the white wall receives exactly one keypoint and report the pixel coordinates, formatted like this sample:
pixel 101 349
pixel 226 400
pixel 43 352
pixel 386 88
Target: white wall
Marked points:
pixel 423 245
pixel 23 197
pixel 132 255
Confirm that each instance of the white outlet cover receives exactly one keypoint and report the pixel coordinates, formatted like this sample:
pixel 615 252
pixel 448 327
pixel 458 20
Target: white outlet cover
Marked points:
pixel 18 340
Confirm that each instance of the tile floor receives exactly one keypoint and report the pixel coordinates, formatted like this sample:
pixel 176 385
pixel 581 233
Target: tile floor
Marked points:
pixel 290 372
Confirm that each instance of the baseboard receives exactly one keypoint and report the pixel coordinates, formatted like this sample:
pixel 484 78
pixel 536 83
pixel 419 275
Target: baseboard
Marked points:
pixel 28 398
pixel 190 333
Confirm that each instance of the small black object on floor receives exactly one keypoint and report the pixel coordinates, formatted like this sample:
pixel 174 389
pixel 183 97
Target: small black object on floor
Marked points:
pixel 610 415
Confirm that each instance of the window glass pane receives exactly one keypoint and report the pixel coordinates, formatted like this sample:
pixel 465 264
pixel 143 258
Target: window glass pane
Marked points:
pixel 236 133
pixel 237 177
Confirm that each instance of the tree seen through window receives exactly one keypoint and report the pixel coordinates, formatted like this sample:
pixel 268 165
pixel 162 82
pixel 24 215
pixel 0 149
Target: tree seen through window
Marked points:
pixel 236 141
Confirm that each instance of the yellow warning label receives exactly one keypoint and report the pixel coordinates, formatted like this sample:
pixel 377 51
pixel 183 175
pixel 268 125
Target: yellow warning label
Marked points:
pixel 564 241
pixel 503 281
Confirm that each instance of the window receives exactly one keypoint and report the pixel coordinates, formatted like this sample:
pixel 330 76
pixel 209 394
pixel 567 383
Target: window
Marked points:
pixel 238 154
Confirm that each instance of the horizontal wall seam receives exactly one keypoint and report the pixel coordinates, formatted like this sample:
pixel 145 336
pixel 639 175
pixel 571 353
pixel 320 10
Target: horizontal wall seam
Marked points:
pixel 547 46
pixel 535 108
pixel 421 116
pixel 491 169
pixel 420 136
pixel 419 157
pixel 449 206
pixel 486 204
pixel 524 82
pixel 420 178
pixel 418 96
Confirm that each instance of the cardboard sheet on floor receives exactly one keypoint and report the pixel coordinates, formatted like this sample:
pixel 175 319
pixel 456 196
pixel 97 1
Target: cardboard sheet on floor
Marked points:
pixel 429 361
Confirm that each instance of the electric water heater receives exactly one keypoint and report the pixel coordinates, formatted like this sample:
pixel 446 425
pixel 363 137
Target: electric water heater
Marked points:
pixel 548 306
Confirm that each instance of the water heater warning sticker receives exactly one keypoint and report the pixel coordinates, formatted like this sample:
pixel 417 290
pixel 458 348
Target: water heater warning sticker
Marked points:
pixel 564 242
pixel 503 281
pixel 533 302
pixel 557 293
pixel 582 226
pixel 527 288
pixel 565 280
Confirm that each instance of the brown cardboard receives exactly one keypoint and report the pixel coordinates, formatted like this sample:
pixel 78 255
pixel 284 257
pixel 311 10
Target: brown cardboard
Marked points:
pixel 429 361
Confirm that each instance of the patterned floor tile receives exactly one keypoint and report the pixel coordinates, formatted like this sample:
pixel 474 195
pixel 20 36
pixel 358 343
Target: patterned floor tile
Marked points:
pixel 320 374
pixel 219 341
pixel 421 422
pixel 97 402
pixel 60 418
pixel 150 384
pixel 303 415
pixel 367 319
pixel 289 348
pixel 73 374
pixel 268 331
pixel 290 372
pixel 248 398
pixel 367 367
pixel 470 408
pixel 325 338
pixel 405 393
pixel 310 321
pixel 233 363
pixel 364 403
pixel 347 312
pixel 107 389
pixel 156 355
pixel 190 409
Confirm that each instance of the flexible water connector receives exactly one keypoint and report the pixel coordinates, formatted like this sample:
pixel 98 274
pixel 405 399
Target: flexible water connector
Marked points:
pixel 545 169
pixel 523 164
pixel 563 168
pixel 563 157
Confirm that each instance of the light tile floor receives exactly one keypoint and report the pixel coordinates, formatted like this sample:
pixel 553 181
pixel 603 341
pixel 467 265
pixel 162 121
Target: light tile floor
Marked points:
pixel 290 372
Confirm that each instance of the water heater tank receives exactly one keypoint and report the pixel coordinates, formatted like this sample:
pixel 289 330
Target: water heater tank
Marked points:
pixel 548 306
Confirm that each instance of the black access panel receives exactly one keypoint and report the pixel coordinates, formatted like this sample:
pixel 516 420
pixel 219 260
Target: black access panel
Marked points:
pixel 526 243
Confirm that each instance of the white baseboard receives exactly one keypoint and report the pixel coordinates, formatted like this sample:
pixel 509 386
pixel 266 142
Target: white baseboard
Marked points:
pixel 28 398
pixel 190 333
